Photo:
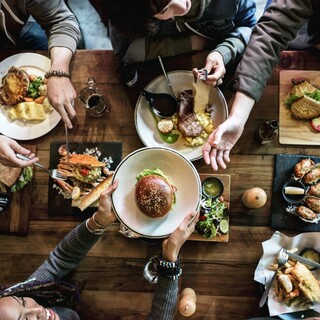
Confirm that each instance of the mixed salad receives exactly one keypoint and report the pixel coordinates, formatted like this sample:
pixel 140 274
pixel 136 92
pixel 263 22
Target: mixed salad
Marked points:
pixel 214 218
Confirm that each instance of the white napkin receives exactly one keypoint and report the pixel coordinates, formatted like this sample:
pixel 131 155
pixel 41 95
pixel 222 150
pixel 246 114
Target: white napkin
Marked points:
pixel 271 249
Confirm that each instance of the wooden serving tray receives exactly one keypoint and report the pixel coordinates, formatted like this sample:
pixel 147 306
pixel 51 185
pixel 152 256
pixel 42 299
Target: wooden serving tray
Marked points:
pixel 15 219
pixel 226 195
pixel 292 131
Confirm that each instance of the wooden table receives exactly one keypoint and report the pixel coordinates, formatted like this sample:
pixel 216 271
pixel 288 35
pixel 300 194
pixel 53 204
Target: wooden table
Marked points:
pixel 221 273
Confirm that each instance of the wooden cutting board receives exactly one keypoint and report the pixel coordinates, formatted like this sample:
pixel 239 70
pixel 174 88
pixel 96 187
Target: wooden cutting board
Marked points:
pixel 15 219
pixel 292 131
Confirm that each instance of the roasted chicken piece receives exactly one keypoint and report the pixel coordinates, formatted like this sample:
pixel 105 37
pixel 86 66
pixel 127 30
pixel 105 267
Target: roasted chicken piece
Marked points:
pixel 14 87
pixel 303 167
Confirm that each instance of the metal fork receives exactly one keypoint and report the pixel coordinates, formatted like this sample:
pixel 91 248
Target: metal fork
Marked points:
pixel 282 259
pixel 53 173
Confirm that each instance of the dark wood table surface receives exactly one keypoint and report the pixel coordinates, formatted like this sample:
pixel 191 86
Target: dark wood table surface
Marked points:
pixel 220 273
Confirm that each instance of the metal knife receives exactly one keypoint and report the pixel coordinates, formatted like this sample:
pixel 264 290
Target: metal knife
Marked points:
pixel 67 141
pixel 303 260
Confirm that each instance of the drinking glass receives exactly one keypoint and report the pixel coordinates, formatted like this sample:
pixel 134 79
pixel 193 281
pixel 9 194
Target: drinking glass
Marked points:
pixel 93 100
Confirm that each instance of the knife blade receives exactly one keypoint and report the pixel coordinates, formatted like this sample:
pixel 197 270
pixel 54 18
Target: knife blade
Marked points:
pixel 67 141
pixel 303 260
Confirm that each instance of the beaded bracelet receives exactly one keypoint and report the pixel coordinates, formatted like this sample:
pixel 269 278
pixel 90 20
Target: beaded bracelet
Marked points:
pixel 57 73
pixel 168 269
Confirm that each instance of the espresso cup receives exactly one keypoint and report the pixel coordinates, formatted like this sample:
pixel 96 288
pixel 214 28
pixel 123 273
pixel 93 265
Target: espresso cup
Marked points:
pixel 92 99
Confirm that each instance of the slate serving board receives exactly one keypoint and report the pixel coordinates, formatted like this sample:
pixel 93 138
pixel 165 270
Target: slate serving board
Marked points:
pixel 283 170
pixel 57 205
pixel 15 219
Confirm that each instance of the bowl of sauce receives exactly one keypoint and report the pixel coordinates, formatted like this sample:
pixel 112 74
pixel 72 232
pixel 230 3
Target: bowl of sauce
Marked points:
pixel 212 187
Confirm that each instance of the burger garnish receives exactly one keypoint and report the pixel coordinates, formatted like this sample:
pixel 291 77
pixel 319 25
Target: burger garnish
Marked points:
pixel 154 193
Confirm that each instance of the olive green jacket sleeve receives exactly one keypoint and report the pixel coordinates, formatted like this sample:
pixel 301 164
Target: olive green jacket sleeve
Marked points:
pixel 279 24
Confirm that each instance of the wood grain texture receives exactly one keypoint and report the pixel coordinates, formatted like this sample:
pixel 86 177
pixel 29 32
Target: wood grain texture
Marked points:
pixel 291 130
pixel 15 219
pixel 221 273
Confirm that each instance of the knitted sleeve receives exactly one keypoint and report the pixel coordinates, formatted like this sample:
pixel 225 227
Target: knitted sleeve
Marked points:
pixel 165 299
pixel 67 255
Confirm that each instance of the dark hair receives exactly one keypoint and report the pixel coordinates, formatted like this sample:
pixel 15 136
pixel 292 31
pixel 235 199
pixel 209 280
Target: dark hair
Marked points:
pixel 132 16
pixel 46 293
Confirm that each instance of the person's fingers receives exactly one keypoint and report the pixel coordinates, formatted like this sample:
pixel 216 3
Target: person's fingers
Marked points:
pixel 213 159
pixel 65 117
pixel 220 159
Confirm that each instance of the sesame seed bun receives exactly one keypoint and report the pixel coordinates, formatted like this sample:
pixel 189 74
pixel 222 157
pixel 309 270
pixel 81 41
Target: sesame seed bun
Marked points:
pixel 154 196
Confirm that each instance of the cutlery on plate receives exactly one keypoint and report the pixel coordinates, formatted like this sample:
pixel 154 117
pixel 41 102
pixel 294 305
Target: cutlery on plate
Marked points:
pixel 303 259
pixel 166 76
pixel 54 173
pixel 282 259
pixel 67 141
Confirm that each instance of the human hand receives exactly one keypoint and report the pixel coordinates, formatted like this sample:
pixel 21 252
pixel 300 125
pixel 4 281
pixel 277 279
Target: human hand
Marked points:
pixel 216 151
pixel 105 215
pixel 8 150
pixel 61 95
pixel 172 245
pixel 215 68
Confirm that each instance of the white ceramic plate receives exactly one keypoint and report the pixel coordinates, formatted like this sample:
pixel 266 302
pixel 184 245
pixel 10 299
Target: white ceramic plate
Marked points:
pixel 180 80
pixel 183 175
pixel 34 64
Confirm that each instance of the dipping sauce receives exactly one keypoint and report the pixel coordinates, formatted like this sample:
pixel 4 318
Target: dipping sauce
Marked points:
pixel 212 187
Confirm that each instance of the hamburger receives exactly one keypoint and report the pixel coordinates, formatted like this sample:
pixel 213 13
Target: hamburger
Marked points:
pixel 15 178
pixel 154 193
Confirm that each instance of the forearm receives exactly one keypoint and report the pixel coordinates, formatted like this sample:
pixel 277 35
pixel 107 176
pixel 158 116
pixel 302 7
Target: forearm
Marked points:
pixel 241 108
pixel 67 255
pixel 60 58
pixel 165 299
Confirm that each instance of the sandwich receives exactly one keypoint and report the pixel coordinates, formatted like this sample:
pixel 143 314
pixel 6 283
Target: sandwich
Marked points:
pixel 304 100
pixel 15 178
pixel 154 193
pixel 92 198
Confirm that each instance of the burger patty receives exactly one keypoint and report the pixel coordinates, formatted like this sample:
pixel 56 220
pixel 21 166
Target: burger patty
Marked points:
pixel 154 196
pixel 14 87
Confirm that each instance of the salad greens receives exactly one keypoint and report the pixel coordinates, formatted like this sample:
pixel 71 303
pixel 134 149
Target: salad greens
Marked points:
pixel 314 95
pixel 213 218
pixel 33 90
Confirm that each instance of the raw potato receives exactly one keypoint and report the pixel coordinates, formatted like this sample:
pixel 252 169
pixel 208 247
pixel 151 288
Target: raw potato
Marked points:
pixel 187 303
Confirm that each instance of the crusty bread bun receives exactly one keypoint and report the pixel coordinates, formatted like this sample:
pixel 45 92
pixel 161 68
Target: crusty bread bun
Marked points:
pixel 305 108
pixel 154 196
pixel 91 199
pixel 9 175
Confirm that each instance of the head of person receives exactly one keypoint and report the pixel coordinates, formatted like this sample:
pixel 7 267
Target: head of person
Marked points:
pixel 34 299
pixel 132 17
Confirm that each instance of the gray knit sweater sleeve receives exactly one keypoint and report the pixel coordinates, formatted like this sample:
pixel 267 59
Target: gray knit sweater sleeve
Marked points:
pixel 165 299
pixel 67 255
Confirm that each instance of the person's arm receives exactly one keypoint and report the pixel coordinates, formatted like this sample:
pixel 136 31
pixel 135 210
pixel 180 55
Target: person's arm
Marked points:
pixel 276 27
pixel 64 34
pixel 74 247
pixel 216 150
pixel 8 150
pixel 166 294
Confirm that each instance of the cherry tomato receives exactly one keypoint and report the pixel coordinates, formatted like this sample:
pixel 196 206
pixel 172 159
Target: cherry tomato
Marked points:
pixel 84 171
